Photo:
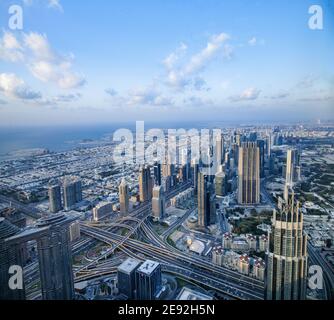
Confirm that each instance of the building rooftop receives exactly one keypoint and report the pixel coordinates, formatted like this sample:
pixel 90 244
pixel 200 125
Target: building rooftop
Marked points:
pixel 148 267
pixel 129 265
pixel 189 294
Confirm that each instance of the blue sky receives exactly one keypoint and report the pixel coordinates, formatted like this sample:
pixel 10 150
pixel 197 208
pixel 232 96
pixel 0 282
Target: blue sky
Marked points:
pixel 117 60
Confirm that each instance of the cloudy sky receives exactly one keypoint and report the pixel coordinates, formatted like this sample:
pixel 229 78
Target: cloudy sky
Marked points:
pixel 124 60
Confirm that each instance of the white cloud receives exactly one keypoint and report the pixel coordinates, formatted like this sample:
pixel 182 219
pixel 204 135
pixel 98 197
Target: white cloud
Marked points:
pixel 43 62
pixel 112 92
pixel 252 42
pixel 174 57
pixel 247 95
pixel 14 87
pixel 10 49
pixel 52 4
pixel 147 96
pixel 180 77
pixel 55 4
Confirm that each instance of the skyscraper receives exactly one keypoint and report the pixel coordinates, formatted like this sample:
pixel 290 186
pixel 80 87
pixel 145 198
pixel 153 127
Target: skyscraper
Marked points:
pixel 249 174
pixel 72 190
pixel 55 204
pixel 206 201
pixel 261 145
pixel 195 171
pixel 157 174
pixel 220 151
pixel 124 197
pixel 158 203
pixel 10 255
pixel 54 254
pixel 148 280
pixel 126 276
pixel 145 184
pixel 287 256
pixel 292 165
pixel 221 184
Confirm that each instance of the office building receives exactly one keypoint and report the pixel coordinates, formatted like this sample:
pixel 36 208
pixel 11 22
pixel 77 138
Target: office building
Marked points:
pixel 54 255
pixel 287 261
pixel 102 210
pixel 54 193
pixel 157 174
pixel 220 150
pixel 72 190
pixel 261 144
pixel 206 201
pixel 126 275
pixel 158 203
pixel 145 184
pixel 124 197
pixel 221 184
pixel 249 174
pixel 9 255
pixel 292 167
pixel 148 280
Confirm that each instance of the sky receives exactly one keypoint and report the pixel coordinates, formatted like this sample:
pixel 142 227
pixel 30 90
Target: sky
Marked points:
pixel 107 61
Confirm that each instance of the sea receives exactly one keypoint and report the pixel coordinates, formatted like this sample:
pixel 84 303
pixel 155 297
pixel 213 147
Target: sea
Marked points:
pixel 64 138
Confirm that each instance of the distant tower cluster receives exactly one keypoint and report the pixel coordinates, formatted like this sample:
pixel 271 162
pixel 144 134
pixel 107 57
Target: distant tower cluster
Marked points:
pixel 124 197
pixel 206 201
pixel 158 203
pixel 145 184
pixel 287 257
pixel 249 174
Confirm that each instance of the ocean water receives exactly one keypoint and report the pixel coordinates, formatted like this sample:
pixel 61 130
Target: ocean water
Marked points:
pixel 53 139
pixel 66 138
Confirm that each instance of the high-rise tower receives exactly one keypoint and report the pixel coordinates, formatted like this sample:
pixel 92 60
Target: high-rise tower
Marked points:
pixel 124 197
pixel 287 256
pixel 249 173
pixel 54 198
pixel 206 201
pixel 145 184
pixel 158 203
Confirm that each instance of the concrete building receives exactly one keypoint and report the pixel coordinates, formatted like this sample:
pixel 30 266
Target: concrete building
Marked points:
pixel 102 210
pixel 10 255
pixel 221 184
pixel 263 243
pixel 206 202
pixel 145 184
pixel 158 203
pixel 187 294
pixel 124 197
pixel 244 264
pixel 148 280
pixel 126 275
pixel 157 174
pixel 259 269
pixel 72 191
pixel 55 203
pixel 249 174
pixel 287 261
pixel 54 254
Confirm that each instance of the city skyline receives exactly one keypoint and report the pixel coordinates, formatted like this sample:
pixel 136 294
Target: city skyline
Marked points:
pixel 214 60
